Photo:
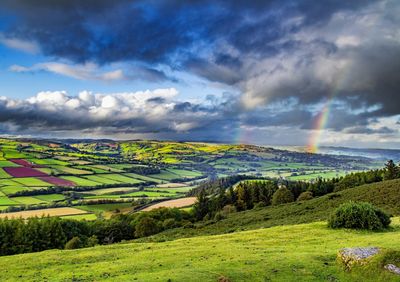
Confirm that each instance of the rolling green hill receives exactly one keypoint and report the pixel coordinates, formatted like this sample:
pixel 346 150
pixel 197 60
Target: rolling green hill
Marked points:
pixel 305 252
pixel 385 195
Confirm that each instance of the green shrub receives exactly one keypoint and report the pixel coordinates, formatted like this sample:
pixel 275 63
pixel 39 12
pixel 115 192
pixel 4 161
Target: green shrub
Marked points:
pixel 146 226
pixel 282 196
pixel 74 243
pixel 92 241
pixel 305 196
pixel 359 215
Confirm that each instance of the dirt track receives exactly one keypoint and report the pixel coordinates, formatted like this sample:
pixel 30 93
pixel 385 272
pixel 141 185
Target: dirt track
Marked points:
pixel 178 203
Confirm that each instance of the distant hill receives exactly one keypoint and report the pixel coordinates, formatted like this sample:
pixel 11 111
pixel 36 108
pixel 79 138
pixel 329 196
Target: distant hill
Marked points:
pixel 376 154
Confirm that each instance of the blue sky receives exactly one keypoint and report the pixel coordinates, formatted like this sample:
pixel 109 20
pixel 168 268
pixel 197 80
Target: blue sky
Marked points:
pixel 228 71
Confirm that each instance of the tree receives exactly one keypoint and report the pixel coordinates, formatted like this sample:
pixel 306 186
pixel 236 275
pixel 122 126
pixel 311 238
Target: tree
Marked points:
pixel 282 196
pixel 146 226
pixel 201 207
pixel 391 170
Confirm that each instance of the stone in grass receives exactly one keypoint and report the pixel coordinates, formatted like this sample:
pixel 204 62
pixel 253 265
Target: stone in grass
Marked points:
pixel 392 268
pixel 358 255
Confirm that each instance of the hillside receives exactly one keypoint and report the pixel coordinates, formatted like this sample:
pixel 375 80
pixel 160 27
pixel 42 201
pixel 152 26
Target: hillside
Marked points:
pixel 385 195
pixel 304 252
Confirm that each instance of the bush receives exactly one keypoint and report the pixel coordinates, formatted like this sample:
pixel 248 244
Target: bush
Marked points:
pixel 305 196
pixel 146 226
pixel 92 241
pixel 282 196
pixel 359 216
pixel 74 243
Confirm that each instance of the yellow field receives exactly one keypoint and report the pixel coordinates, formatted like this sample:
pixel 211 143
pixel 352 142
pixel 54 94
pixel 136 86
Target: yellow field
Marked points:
pixel 45 212
pixel 171 185
pixel 178 203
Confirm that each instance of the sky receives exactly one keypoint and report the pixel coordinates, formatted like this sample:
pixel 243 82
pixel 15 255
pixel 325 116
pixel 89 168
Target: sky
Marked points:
pixel 271 72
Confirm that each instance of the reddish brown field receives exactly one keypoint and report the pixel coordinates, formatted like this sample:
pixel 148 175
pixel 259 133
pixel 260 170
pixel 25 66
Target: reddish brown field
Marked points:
pixel 57 181
pixel 23 172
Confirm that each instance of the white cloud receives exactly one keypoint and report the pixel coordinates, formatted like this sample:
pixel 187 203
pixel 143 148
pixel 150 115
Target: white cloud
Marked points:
pixel 18 44
pixel 88 71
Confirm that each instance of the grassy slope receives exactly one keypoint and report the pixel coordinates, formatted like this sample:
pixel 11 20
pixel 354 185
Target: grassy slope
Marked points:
pixel 384 194
pixel 305 252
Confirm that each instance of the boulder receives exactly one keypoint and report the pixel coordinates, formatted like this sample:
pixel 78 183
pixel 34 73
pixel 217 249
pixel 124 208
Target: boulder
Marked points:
pixel 392 268
pixel 358 255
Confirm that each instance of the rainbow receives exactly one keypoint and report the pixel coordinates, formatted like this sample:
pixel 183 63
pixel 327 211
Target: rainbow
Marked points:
pixel 319 126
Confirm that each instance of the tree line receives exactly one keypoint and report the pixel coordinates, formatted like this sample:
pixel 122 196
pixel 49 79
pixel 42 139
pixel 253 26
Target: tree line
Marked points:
pixel 215 199
pixel 38 234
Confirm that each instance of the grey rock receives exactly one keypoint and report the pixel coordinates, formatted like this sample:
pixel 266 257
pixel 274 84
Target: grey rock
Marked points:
pixel 392 268
pixel 351 256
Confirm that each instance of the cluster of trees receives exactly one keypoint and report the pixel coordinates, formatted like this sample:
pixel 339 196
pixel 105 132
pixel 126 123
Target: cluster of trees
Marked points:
pixel 215 196
pixel 38 234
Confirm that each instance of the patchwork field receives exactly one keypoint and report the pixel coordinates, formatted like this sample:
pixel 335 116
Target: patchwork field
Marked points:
pixel 39 174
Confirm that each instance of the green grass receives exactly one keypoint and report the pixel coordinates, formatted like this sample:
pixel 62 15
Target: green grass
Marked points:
pixel 305 252
pixel 166 175
pixel 4 174
pixel 106 168
pixel 385 195
pixel 100 179
pixel 71 170
pixel 111 190
pixel 13 189
pixel 121 178
pixel 28 200
pixel 89 216
pixel 7 164
pixel 49 162
pixel 104 207
pixel 81 181
pixel 51 197
pixel 4 201
pixel 185 173
pixel 143 177
pixel 32 182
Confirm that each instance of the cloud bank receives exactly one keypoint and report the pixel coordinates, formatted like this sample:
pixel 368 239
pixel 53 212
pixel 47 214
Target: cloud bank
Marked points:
pixel 286 59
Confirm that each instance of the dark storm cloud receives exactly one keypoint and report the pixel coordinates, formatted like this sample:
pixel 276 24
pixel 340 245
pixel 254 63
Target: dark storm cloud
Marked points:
pixel 270 51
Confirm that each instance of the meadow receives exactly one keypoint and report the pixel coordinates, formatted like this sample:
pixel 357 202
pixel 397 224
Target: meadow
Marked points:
pixel 304 252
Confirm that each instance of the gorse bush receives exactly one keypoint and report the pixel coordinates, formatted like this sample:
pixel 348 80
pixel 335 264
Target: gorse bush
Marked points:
pixel 305 196
pixel 359 215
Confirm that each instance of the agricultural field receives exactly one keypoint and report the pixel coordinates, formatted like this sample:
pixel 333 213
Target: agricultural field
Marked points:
pixel 38 173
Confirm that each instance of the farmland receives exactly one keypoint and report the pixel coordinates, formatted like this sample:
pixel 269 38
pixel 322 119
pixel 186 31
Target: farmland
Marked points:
pixel 39 174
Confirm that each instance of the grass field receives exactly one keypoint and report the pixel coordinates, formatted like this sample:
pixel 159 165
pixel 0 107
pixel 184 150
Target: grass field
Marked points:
pixel 178 203
pixel 121 178
pixel 100 179
pixel 81 181
pixel 50 197
pixel 28 200
pixel 305 252
pixel 43 212
pixel 32 182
